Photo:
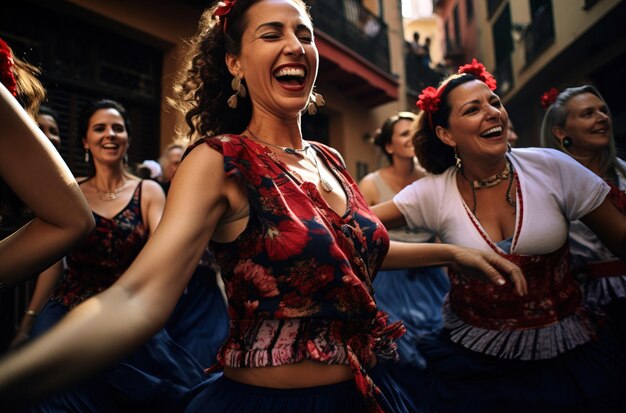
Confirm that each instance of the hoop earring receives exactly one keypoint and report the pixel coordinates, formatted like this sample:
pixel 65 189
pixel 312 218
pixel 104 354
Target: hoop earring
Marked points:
pixel 87 156
pixel 240 90
pixel 315 101
pixel 566 142
pixel 457 160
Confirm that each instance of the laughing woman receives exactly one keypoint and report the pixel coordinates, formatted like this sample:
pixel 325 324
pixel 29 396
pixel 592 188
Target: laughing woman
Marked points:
pixel 578 122
pixel 500 351
pixel 297 245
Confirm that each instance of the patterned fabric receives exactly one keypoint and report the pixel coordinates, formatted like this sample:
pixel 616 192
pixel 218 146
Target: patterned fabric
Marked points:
pixel 95 264
pixel 494 320
pixel 298 279
pixel 602 274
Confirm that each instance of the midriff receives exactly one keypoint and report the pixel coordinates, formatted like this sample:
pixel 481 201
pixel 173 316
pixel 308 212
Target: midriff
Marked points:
pixel 291 376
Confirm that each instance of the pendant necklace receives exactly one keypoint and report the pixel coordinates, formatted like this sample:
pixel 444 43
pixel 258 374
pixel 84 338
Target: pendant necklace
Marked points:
pixel 326 186
pixel 110 196
pixel 492 180
pixel 507 173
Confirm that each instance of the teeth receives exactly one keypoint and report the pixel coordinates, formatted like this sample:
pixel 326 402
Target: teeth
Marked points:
pixel 110 146
pixel 492 130
pixel 290 71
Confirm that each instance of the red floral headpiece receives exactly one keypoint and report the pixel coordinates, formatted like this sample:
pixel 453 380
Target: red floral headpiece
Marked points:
pixel 222 11
pixel 430 98
pixel 478 69
pixel 6 68
pixel 549 97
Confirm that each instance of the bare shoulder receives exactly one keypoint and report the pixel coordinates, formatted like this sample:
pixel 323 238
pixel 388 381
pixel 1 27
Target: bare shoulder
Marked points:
pixel 368 188
pixel 201 175
pixel 152 189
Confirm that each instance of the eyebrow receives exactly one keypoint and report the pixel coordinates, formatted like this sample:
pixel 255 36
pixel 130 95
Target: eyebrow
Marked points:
pixel 477 101
pixel 279 25
pixel 471 102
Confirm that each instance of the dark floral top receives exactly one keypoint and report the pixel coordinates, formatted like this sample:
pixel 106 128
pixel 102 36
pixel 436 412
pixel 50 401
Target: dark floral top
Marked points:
pixel 299 277
pixel 104 255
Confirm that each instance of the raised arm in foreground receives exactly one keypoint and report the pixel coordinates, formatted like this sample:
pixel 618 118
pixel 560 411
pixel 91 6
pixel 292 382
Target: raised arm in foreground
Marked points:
pixel 34 170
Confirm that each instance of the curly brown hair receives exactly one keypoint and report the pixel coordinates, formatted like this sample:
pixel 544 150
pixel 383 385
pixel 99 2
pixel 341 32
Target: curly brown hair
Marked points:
pixel 203 87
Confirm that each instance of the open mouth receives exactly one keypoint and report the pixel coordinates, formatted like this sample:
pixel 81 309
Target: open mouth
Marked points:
pixel 292 76
pixel 494 132
pixel 110 146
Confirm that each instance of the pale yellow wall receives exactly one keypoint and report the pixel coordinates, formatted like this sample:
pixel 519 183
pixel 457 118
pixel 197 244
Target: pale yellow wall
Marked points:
pixel 169 23
pixel 570 23
pixel 428 27
pixel 351 124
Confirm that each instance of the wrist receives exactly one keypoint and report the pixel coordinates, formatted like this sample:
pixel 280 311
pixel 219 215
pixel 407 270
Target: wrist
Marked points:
pixel 450 254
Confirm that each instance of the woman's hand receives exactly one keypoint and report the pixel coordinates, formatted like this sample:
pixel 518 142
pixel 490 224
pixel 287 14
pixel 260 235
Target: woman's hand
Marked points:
pixel 488 266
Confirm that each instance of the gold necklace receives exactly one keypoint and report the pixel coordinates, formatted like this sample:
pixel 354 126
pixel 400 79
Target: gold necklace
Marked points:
pixel 110 196
pixel 507 173
pixel 492 180
pixel 326 186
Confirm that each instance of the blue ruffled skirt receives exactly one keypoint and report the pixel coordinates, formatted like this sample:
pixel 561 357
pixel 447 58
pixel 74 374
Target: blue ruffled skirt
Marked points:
pixel 199 322
pixel 589 378
pixel 157 376
pixel 154 378
pixel 220 394
pixel 414 296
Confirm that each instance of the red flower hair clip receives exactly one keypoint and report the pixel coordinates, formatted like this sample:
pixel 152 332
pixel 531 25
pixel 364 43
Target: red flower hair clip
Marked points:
pixel 429 100
pixel 223 9
pixel 6 68
pixel 478 69
pixel 549 97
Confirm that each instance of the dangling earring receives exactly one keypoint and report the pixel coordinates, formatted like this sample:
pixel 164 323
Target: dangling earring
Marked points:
pixel 566 142
pixel 125 159
pixel 240 90
pixel 87 156
pixel 315 101
pixel 457 160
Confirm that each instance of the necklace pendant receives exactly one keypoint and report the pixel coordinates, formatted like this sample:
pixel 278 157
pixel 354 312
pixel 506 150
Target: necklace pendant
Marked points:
pixel 326 186
pixel 108 196
pixel 290 151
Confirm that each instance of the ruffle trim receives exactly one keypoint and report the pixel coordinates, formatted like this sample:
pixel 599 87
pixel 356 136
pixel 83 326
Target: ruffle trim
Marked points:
pixel 529 344
pixel 602 291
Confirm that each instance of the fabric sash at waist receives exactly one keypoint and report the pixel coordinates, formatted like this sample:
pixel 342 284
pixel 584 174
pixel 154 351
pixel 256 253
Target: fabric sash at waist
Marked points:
pixel 601 269
pixel 553 294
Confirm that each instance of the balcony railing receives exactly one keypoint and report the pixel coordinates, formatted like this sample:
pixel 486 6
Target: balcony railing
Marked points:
pixel 540 33
pixel 418 75
pixel 352 25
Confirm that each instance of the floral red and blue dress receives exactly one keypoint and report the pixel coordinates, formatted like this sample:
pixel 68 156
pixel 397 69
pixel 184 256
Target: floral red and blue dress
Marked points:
pixel 155 377
pixel 298 278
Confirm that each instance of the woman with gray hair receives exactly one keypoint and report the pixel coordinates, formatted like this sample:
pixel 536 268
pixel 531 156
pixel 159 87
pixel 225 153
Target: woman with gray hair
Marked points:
pixel 578 122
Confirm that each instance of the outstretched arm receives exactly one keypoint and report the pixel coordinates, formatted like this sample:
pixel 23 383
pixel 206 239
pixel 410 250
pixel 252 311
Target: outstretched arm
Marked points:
pixel 34 170
pixel 481 264
pixel 389 214
pixel 113 323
